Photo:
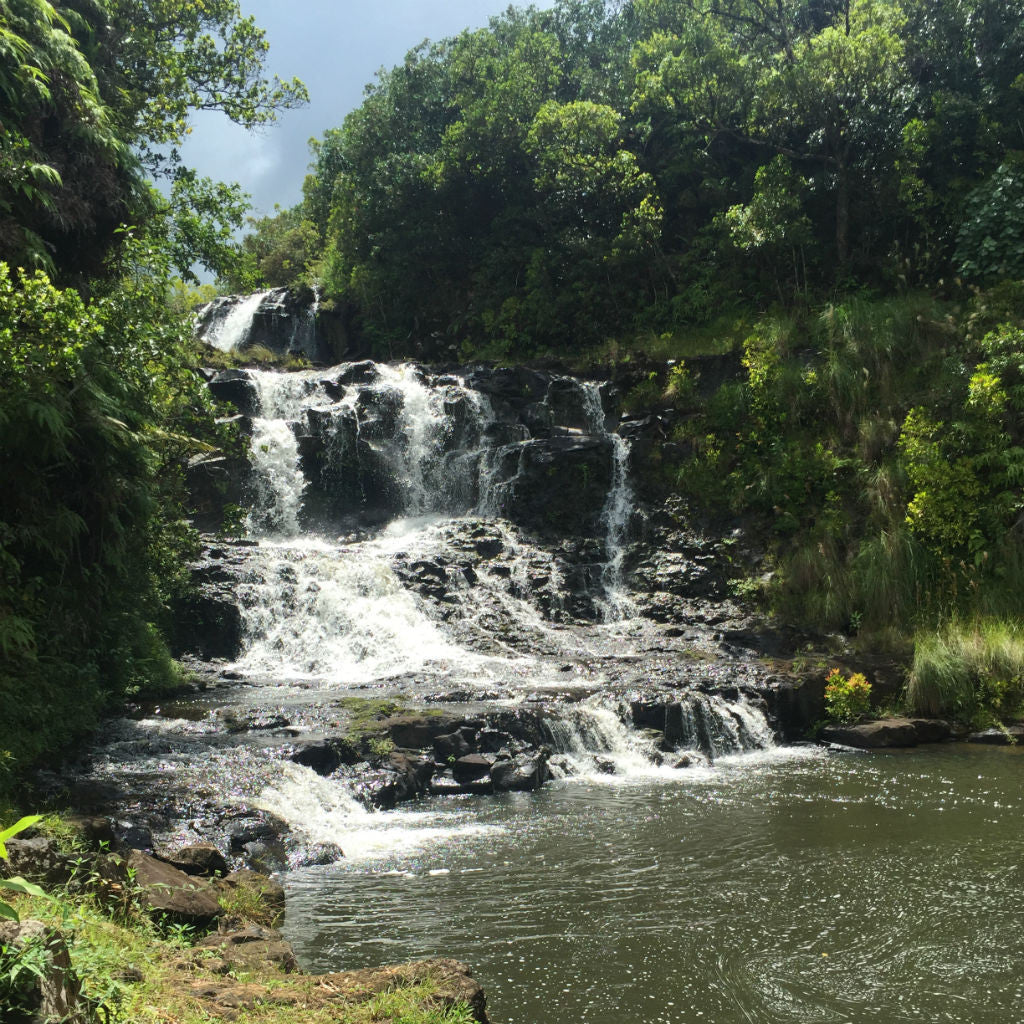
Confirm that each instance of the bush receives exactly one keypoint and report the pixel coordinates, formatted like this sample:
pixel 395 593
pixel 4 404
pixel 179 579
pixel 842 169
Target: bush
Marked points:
pixel 846 698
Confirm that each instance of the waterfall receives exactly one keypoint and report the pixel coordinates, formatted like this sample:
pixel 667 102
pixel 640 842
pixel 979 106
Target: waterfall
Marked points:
pixel 282 400
pixel 229 331
pixel 596 740
pixel 618 506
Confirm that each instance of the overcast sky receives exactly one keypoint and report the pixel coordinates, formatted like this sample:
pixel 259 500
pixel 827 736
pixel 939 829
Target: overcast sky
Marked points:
pixel 335 47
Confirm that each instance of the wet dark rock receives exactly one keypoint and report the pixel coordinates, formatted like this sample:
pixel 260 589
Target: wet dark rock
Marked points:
pixel 199 859
pixel 236 387
pixel 326 756
pixel 166 891
pixel 413 775
pixel 471 767
pixel 213 482
pixel 889 732
pixel 796 703
pixel 255 830
pixel 525 773
pixel 491 741
pixel 315 855
pixel 416 731
pixel 1006 736
pixel 266 855
pixel 555 485
pixel 451 746
pixel 132 836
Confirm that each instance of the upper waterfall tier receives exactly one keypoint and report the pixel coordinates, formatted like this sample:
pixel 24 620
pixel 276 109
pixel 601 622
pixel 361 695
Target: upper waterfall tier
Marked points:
pixel 361 444
pixel 277 320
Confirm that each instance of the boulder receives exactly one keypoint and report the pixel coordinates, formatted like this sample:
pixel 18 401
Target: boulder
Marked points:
pixel 449 747
pixel 1004 737
pixel 166 891
pixel 416 731
pixel 413 775
pixel 326 756
pixel 886 732
pixel 526 773
pixel 37 860
pixel 471 767
pixel 237 388
pixel 199 859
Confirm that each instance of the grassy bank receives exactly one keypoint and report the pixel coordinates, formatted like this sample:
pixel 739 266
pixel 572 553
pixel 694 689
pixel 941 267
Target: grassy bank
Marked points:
pixel 135 967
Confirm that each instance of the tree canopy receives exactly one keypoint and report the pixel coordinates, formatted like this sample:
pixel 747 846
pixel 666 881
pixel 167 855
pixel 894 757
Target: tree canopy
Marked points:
pixel 568 175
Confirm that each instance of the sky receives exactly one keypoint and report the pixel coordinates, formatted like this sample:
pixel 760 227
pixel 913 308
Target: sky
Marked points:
pixel 336 48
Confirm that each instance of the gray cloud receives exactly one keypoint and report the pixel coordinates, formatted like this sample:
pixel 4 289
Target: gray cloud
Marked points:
pixel 335 48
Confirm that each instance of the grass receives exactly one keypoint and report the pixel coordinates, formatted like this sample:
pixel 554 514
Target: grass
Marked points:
pixel 969 671
pixel 108 953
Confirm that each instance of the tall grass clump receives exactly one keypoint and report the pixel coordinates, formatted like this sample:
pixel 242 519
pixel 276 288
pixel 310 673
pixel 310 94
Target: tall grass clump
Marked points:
pixel 973 672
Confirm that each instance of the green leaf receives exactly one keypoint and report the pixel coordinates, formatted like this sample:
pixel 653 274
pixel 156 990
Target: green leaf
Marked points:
pixel 19 826
pixel 8 912
pixel 21 885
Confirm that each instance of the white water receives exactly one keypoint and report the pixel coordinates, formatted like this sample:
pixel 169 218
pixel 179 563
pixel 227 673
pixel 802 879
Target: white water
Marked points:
pixel 598 744
pixel 615 602
pixel 319 612
pixel 327 813
pixel 283 400
pixel 231 332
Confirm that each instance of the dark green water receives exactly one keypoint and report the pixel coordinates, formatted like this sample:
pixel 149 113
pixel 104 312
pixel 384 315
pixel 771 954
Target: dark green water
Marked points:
pixel 791 888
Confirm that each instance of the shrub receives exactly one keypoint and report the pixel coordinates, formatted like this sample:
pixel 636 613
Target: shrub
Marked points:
pixel 846 698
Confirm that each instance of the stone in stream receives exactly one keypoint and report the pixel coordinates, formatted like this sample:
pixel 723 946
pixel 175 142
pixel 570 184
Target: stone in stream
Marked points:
pixel 887 732
pixel 1006 736
pixel 525 774
pixel 326 756
pixel 451 746
pixel 471 767
pixel 415 731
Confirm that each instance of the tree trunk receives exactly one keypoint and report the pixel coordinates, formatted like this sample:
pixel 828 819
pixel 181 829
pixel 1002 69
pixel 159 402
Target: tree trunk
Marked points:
pixel 842 219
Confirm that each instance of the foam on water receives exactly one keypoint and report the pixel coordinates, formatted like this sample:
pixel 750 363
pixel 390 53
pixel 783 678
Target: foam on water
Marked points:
pixel 326 812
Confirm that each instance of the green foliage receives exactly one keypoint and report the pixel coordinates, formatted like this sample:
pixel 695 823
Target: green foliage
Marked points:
pixel 604 171
pixel 278 252
pixel 847 698
pixel 18 885
pixel 98 408
pixel 970 671
pixel 990 243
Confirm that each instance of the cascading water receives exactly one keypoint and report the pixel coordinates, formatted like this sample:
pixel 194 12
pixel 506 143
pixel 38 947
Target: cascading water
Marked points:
pixel 615 602
pixel 228 331
pixel 597 742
